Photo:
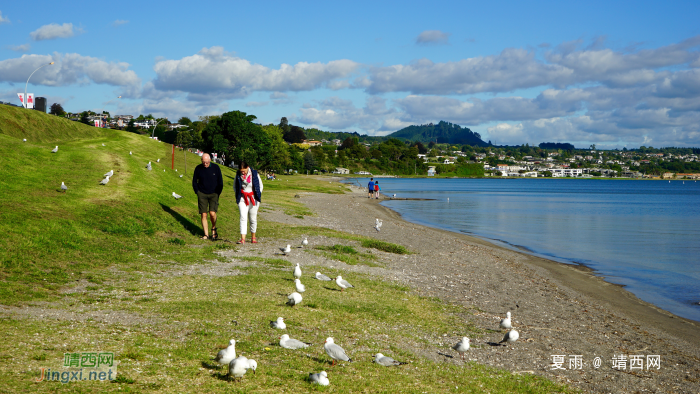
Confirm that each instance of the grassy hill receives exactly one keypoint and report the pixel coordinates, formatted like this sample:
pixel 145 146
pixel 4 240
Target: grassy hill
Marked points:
pixel 443 132
pixel 120 268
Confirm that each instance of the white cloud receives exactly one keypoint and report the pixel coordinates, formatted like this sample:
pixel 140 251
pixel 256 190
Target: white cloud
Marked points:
pixel 215 73
pixel 432 37
pixel 119 22
pixel 53 31
pixel 20 48
pixel 4 19
pixel 257 103
pixel 340 114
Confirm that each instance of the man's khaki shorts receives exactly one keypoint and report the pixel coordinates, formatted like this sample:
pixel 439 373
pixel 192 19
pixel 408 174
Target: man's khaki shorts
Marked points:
pixel 207 202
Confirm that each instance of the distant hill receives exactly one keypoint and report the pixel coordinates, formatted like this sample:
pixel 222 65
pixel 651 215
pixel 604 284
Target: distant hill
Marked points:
pixel 443 132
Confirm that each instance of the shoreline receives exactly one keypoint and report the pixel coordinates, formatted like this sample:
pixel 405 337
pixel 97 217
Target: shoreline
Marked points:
pixel 557 308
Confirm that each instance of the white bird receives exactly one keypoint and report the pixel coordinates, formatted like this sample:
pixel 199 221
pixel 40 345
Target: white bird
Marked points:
pixel 180 175
pixel 505 323
pixel 110 173
pixel 225 356
pixel 290 343
pixel 286 250
pixel 148 166
pixel 320 276
pixel 279 324
pixel 378 225
pixel 511 336
pixel 129 152
pixel 342 283
pixel 24 140
pixel 177 196
pixel 176 170
pixel 104 181
pixel 104 145
pixel 239 366
pixel 63 186
pixel 305 242
pixel 294 299
pixel 386 361
pixel 297 271
pixel 55 149
pixel 334 351
pixel 462 346
pixel 158 161
pixel 394 196
pixel 300 287
pixel 320 378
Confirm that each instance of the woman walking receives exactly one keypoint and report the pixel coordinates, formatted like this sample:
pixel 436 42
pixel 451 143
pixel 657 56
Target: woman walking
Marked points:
pixel 248 187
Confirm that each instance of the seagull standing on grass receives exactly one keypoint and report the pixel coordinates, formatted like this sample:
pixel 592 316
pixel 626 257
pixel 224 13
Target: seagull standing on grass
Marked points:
pixel 300 287
pixel 386 361
pixel 286 250
pixel 342 283
pixel 177 196
pixel 129 152
pixel 320 276
pixel 297 271
pixel 158 161
pixel 239 366
pixel 148 166
pixel 279 324
pixel 64 187
pixel 294 299
pixel 505 323
pixel 511 336
pixel 305 242
pixel 320 378
pixel 104 144
pixel 110 173
pixel 290 343
pixel 104 181
pixel 335 352
pixel 225 356
pixel 462 346
pixel 55 149
pixel 24 140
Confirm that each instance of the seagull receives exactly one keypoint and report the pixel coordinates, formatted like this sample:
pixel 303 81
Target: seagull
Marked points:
pixel 110 173
pixel 297 271
pixel 64 187
pixel 279 324
pixel 158 161
pixel 320 276
pixel 393 196
pixel 225 356
pixel 24 140
pixel 290 343
pixel 378 225
pixel 462 346
pixel 129 152
pixel 505 323
pixel 511 336
pixel 294 299
pixel 305 242
pixel 334 351
pixel 176 170
pixel 55 149
pixel 104 145
pixel 342 283
pixel 180 175
pixel 386 361
pixel 177 196
pixel 320 378
pixel 148 166
pixel 104 181
pixel 239 366
pixel 286 250
pixel 300 287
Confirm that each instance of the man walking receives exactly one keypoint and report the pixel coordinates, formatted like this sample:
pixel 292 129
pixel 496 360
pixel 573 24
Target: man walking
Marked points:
pixel 370 187
pixel 208 183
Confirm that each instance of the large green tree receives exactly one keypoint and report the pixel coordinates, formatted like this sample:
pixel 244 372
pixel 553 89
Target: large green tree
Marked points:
pixel 235 134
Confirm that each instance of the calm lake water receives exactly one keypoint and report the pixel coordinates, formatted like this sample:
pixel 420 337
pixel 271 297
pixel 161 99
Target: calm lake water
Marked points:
pixel 641 234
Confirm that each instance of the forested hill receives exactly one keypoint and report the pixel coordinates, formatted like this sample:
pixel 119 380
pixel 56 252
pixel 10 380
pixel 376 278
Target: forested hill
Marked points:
pixel 443 132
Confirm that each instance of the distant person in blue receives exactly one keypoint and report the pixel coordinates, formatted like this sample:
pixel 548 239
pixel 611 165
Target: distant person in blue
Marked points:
pixel 377 189
pixel 208 184
pixel 370 188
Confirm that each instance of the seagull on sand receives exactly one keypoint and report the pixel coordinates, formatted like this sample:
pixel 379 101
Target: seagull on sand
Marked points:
pixel 110 173
pixel 104 181
pixel 300 287
pixel 148 166
pixel 462 346
pixel 511 336
pixel 342 283
pixel 225 356
pixel 239 366
pixel 505 323
pixel 290 343
pixel 297 271
pixel 55 149
pixel 334 351
pixel 305 242
pixel 386 361
pixel 286 250
pixel 320 378
pixel 320 276
pixel 378 225
pixel 294 299
pixel 279 324
pixel 177 196
pixel 64 187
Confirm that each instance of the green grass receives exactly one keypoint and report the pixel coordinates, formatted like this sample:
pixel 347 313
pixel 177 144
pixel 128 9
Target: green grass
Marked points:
pixel 122 247
pixel 348 255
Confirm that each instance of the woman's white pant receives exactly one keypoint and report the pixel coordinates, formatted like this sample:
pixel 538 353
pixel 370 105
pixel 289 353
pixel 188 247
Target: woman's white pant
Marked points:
pixel 248 211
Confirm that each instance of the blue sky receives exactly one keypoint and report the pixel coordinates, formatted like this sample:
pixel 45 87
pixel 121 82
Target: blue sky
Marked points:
pixel 608 73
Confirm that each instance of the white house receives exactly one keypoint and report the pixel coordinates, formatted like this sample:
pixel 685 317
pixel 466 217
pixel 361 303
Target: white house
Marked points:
pixel 564 172
pixel 340 170
pixel 431 171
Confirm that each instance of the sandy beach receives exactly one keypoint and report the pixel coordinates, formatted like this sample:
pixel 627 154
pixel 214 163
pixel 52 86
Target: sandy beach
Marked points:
pixel 568 319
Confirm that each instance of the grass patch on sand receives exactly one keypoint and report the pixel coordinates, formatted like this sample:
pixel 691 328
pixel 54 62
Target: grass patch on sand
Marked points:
pixel 384 246
pixel 348 255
